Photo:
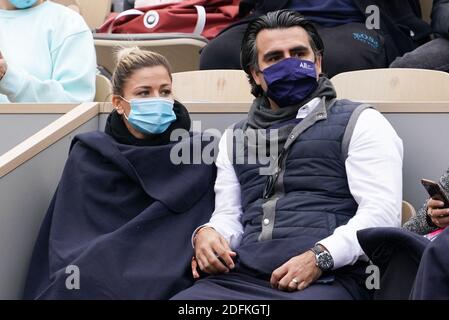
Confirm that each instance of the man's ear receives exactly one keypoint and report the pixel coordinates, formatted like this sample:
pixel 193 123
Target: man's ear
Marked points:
pixel 117 103
pixel 256 74
pixel 318 61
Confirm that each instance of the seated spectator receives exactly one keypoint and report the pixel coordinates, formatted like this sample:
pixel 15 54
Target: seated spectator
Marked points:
pixel 341 23
pixel 46 53
pixel 428 219
pixel 413 261
pixel 433 55
pixel 124 211
pixel 292 234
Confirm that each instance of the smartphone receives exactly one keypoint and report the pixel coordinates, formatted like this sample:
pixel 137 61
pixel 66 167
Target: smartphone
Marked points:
pixel 436 191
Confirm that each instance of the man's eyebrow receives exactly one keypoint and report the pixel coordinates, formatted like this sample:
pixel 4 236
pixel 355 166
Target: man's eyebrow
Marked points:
pixel 273 53
pixel 299 48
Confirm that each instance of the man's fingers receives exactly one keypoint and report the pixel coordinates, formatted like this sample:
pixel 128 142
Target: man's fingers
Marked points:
pixel 289 282
pixel 293 284
pixel 229 254
pixel 194 266
pixel 214 262
pixel 303 285
pixel 201 262
pixel 204 263
pixel 225 244
pixel 225 256
pixel 277 275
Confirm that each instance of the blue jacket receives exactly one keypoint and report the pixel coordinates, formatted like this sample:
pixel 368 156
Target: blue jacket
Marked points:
pixel 311 197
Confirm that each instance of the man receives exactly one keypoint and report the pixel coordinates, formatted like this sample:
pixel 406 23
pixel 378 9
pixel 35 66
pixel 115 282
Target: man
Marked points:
pixel 341 23
pixel 434 54
pixel 292 234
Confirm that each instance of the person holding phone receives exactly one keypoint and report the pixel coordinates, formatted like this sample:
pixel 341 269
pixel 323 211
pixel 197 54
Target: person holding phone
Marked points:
pixel 413 260
pixel 433 215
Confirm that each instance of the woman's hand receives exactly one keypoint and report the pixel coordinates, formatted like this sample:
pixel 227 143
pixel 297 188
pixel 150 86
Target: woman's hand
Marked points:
pixel 212 253
pixel 3 66
pixel 439 216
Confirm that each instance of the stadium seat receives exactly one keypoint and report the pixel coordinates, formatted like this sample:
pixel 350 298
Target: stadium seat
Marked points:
pixel 408 211
pixel 103 87
pixel 212 86
pixel 182 50
pixel 94 12
pixel 393 85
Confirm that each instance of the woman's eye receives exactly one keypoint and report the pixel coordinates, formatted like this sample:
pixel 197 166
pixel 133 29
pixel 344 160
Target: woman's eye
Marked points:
pixel 166 93
pixel 143 93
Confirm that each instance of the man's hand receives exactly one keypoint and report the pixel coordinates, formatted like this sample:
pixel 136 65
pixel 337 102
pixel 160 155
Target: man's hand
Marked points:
pixel 296 274
pixel 3 66
pixel 212 253
pixel 440 217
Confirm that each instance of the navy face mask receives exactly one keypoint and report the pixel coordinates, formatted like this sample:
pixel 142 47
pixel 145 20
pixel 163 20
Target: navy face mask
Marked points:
pixel 290 81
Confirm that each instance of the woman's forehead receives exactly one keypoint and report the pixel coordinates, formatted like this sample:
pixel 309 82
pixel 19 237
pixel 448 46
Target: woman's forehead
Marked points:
pixel 149 77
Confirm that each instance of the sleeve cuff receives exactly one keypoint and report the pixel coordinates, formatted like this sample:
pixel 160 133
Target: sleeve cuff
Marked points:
pixel 339 251
pixel 12 82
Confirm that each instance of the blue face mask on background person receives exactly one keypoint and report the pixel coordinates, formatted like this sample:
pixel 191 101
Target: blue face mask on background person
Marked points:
pixel 22 4
pixel 290 81
pixel 151 115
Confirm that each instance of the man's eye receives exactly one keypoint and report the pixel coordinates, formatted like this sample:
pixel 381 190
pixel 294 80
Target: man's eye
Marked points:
pixel 166 92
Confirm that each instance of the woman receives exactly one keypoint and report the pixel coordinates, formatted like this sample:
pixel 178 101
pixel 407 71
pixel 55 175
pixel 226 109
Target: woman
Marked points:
pixel 46 53
pixel 413 262
pixel 120 223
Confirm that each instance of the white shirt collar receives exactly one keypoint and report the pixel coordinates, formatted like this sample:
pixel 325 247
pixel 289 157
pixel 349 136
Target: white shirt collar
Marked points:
pixel 306 109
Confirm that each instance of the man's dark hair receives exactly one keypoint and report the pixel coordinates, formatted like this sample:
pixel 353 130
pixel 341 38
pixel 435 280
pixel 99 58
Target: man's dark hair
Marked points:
pixel 281 19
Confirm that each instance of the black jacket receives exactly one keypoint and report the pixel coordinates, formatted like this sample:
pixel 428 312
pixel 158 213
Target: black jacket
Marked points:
pixel 401 23
pixel 440 17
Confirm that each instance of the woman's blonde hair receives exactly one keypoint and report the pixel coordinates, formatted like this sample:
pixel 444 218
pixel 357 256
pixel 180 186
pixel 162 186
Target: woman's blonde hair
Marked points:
pixel 132 59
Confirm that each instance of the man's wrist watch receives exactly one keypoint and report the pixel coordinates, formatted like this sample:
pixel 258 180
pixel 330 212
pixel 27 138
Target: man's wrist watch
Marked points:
pixel 324 260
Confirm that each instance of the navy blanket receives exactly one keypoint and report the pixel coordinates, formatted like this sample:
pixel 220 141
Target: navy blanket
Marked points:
pixel 123 217
pixel 432 279
pixel 411 266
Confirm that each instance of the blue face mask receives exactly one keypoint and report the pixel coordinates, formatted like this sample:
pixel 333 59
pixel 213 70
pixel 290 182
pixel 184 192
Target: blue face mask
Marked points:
pixel 22 4
pixel 290 81
pixel 151 115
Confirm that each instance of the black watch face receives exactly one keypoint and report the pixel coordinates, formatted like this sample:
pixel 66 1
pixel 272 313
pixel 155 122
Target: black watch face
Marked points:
pixel 325 261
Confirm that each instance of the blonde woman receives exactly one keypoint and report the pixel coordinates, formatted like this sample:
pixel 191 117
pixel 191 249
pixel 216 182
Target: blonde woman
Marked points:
pixel 124 210
pixel 46 53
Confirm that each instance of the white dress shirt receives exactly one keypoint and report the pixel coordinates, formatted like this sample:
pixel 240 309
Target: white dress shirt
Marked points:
pixel 374 171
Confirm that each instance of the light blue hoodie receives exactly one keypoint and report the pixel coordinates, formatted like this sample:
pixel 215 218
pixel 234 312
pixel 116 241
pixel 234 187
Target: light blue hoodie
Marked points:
pixel 50 55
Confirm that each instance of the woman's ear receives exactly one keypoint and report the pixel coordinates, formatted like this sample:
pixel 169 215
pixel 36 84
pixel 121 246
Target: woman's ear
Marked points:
pixel 117 102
